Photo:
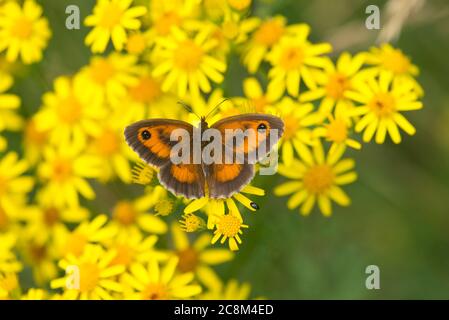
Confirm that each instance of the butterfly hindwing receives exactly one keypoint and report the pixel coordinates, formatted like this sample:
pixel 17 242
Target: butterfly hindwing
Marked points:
pixel 224 180
pixel 183 179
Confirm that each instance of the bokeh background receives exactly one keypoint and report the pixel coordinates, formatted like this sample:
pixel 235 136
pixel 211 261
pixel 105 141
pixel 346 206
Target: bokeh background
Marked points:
pixel 399 217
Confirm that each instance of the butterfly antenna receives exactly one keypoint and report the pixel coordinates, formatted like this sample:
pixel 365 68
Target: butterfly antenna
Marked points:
pixel 215 108
pixel 188 108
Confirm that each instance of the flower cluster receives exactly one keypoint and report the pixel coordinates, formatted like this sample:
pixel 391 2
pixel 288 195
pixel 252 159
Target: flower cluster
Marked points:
pixel 70 209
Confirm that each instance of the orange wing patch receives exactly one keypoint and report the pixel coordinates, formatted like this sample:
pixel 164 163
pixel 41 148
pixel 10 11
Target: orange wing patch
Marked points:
pixel 157 139
pixel 256 131
pixel 184 173
pixel 227 172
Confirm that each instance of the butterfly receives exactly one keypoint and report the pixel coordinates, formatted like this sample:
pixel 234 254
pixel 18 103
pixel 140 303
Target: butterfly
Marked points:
pixel 151 140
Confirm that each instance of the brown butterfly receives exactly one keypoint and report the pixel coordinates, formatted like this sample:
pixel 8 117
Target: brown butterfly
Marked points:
pixel 151 140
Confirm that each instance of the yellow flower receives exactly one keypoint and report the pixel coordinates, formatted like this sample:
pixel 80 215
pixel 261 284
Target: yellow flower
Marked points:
pixel 109 146
pixel 146 99
pixel 111 19
pixel 217 207
pixel 153 283
pixel 110 77
pixel 202 106
pixel 9 103
pixel 257 98
pixel 188 63
pixel 299 120
pixel 164 15
pixel 239 4
pixel 142 173
pixel 137 42
pixel 9 286
pixel 197 257
pixel 70 114
pixel 390 60
pixel 383 100
pixel 42 220
pixel 89 276
pixel 334 82
pixel 132 247
pixel 135 214
pixel 8 260
pixel 263 39
pixel 23 31
pixel 34 142
pixel 228 227
pixel 232 290
pixel 235 28
pixel 13 186
pixel 191 223
pixel 337 131
pixel 35 294
pixel 74 242
pixel 64 172
pixel 41 258
pixel 295 59
pixel 317 179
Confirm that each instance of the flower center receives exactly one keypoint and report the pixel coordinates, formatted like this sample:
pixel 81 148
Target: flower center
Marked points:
pixel 291 127
pixel 107 143
pixel 383 104
pixel 75 244
pixel 337 131
pixel 163 207
pixel 147 90
pixel 38 253
pixel 135 43
pixel 51 216
pixel 269 33
pixel 124 255
pixel 229 226
pixel 188 260
pixel 22 28
pixel 396 61
pixel 101 71
pixel 155 291
pixel 89 276
pixel 188 56
pixel 62 170
pixel 69 110
pixel 318 178
pixel 337 85
pixel 33 136
pixel 292 58
pixel 124 213
pixel 166 21
pixel 111 15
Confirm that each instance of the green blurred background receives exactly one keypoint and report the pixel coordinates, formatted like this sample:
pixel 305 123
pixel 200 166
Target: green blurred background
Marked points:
pixel 399 218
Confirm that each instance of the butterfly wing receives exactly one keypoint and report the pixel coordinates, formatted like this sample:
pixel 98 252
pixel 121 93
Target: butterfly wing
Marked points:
pixel 263 132
pixel 150 139
pixel 226 179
